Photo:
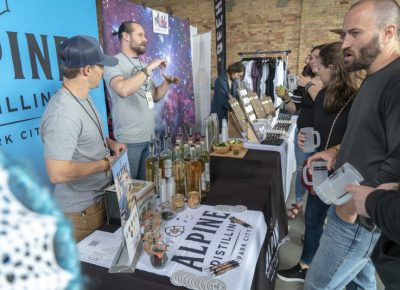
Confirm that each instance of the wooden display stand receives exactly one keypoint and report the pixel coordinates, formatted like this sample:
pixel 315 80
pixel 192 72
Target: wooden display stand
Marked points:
pixel 246 105
pixel 238 122
pixel 239 116
pixel 233 126
pixel 257 106
pixel 268 105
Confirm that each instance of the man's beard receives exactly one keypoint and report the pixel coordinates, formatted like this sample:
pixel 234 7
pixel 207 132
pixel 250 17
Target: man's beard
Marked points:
pixel 367 56
pixel 139 50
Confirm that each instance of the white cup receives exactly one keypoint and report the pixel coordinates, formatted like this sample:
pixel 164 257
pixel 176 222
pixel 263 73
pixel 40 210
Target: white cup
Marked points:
pixel 319 173
pixel 333 189
pixel 309 145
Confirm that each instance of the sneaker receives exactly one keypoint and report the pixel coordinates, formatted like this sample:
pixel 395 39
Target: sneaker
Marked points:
pixel 294 274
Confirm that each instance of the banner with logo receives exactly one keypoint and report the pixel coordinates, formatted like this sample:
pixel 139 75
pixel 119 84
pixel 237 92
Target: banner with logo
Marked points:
pixel 31 32
pixel 220 35
pixel 200 238
pixel 170 42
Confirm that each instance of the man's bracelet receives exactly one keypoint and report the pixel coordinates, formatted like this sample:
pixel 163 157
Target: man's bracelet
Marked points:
pixel 145 71
pixel 108 164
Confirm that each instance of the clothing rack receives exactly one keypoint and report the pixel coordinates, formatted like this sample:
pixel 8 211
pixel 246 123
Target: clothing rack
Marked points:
pixel 256 55
pixel 264 53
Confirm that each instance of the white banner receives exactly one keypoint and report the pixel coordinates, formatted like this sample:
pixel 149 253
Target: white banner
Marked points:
pixel 201 64
pixel 205 236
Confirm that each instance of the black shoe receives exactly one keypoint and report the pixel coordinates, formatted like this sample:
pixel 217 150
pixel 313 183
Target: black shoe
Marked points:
pixel 294 274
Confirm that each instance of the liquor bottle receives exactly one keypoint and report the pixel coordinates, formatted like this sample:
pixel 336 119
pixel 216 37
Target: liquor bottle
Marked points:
pixel 190 137
pixel 160 159
pixel 179 172
pixel 203 168
pixel 167 157
pixel 186 152
pixel 179 140
pixel 193 172
pixel 152 167
pixel 205 155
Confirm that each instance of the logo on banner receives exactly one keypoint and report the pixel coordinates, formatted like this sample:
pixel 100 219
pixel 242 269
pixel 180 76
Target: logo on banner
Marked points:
pixel 211 236
pixel 219 9
pixel 175 231
pixel 31 72
pixel 272 258
pixel 4 7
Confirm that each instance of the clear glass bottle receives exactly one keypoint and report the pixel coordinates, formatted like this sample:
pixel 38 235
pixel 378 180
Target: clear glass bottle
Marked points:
pixel 193 172
pixel 160 159
pixel 186 152
pixel 179 172
pixel 167 157
pixel 205 155
pixel 190 137
pixel 152 167
pixel 179 140
pixel 203 168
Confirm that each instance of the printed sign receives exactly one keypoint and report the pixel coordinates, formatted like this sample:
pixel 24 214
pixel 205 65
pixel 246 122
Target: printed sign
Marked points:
pixel 30 71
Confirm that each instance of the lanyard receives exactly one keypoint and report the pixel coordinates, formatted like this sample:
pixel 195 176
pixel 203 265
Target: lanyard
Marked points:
pixel 97 124
pixel 132 62
pixel 138 70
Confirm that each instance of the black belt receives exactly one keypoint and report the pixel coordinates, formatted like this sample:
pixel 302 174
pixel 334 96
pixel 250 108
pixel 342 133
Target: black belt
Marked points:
pixel 368 224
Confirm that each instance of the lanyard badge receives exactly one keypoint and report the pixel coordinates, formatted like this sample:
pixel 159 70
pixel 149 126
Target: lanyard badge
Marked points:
pixel 149 99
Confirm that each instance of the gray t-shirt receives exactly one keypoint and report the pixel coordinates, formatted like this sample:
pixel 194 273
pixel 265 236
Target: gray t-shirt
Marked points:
pixel 68 133
pixel 133 121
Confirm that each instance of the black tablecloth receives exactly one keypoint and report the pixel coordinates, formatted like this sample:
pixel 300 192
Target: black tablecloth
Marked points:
pixel 254 181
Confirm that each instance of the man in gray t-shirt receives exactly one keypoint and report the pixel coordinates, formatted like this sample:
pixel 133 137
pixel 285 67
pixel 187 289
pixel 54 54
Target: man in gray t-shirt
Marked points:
pixel 75 149
pixel 133 93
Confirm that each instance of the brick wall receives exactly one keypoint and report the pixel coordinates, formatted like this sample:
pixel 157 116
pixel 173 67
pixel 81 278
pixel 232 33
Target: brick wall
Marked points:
pixel 253 25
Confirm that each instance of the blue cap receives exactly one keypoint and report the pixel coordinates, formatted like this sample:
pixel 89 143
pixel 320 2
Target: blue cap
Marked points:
pixel 82 50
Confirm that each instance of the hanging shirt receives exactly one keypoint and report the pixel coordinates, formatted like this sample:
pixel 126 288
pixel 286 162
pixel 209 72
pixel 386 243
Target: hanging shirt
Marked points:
pixel 278 80
pixel 247 75
pixel 264 77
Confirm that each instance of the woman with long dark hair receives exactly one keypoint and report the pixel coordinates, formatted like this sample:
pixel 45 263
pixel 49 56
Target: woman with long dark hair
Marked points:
pixel 302 102
pixel 331 108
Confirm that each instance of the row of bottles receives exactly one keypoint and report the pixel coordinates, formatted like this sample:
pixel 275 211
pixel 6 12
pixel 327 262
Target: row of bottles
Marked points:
pixel 187 165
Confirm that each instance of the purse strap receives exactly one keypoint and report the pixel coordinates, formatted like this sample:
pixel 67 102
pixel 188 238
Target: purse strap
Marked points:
pixel 334 122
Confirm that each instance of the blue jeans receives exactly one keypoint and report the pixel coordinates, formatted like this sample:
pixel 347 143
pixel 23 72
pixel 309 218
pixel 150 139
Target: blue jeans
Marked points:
pixel 343 257
pixel 314 219
pixel 300 157
pixel 137 154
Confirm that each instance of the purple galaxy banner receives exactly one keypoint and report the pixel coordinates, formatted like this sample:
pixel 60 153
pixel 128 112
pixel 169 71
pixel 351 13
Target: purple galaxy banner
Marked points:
pixel 177 108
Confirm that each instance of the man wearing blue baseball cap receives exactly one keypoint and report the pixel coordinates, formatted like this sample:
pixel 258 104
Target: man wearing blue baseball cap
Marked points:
pixel 76 151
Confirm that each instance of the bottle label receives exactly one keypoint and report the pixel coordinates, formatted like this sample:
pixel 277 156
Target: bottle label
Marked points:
pixel 207 172
pixel 168 168
pixel 203 182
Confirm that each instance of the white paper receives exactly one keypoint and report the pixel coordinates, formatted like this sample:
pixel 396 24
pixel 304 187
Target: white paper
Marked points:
pixel 99 248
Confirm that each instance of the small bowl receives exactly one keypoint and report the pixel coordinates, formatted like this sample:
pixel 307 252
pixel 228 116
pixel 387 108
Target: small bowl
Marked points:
pixel 221 149
pixel 237 146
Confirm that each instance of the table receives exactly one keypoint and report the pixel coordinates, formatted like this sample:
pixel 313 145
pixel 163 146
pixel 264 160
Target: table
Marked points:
pixel 255 181
pixel 286 150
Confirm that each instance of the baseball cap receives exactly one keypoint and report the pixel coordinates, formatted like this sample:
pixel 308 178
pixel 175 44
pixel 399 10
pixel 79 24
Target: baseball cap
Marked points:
pixel 81 50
